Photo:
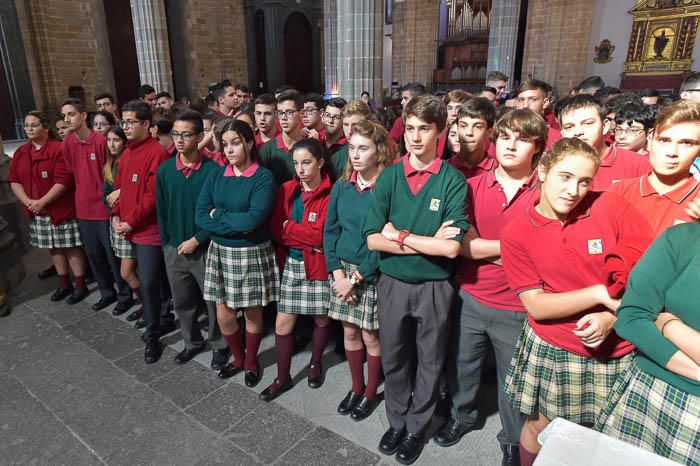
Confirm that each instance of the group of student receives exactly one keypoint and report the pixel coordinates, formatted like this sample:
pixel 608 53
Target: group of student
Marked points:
pixel 524 226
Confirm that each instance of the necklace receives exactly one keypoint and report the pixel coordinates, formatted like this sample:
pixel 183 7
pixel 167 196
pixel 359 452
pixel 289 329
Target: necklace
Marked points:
pixel 362 183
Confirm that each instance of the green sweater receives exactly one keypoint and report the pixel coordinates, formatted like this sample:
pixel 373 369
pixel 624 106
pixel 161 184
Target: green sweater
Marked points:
pixel 176 201
pixel 338 158
pixel 342 233
pixel 279 162
pixel 441 199
pixel 666 278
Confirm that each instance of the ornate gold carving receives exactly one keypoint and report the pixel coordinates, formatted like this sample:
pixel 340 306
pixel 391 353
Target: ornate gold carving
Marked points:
pixel 603 52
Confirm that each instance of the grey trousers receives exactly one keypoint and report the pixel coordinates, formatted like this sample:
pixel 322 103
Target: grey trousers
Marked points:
pixel 186 278
pixel 473 326
pixel 413 330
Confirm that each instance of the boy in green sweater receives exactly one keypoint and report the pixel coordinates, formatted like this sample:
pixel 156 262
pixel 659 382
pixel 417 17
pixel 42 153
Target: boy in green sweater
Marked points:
pixel 416 221
pixel 275 155
pixel 178 183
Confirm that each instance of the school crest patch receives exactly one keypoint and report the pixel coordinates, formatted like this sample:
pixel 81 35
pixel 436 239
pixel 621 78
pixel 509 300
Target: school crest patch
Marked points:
pixel 44 174
pixel 595 246
pixel 434 204
pixel 134 178
pixel 312 217
pixel 93 157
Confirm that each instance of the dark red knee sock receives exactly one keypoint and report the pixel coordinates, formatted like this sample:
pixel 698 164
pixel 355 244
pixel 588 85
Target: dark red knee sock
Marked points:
pixel 79 283
pixel 527 458
pixel 319 342
pixel 235 342
pixel 284 348
pixel 357 372
pixel 64 281
pixel 252 343
pixel 374 371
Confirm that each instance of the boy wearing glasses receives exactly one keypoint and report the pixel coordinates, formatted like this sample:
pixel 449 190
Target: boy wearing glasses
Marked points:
pixel 265 119
pixel 178 183
pixel 85 153
pixel 134 216
pixel 275 154
pixel 311 116
pixel 633 121
pixel 335 138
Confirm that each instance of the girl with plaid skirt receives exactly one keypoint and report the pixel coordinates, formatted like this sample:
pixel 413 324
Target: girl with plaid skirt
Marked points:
pixel 297 228
pixel 241 272
pixel 123 248
pixel 567 358
pixel 353 267
pixel 41 182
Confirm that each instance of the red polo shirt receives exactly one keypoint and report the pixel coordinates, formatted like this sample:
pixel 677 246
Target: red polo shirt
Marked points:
pixel 486 165
pixel 490 148
pixel 661 210
pixel 553 135
pixel 489 212
pixel 259 141
pixel 442 142
pixel 619 164
pixel 397 130
pixel 416 179
pixel 187 170
pixel 542 253
pixel 84 160
pixel 38 171
pixel 136 178
pixel 217 156
pixel 247 173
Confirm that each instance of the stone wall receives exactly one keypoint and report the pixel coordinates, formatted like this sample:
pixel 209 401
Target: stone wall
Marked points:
pixel 414 41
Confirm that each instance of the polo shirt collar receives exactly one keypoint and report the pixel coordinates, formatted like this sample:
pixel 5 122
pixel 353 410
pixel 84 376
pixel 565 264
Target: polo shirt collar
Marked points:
pixel 280 143
pixel 181 166
pixel 486 164
pixel 353 180
pixel 610 156
pixel 530 183
pixel 135 145
pixel 338 143
pixel 582 210
pixel 678 195
pixel 247 173
pixel 433 168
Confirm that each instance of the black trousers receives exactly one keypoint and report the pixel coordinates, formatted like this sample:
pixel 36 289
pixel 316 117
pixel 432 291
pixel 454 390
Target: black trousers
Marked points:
pixel 103 262
pixel 155 290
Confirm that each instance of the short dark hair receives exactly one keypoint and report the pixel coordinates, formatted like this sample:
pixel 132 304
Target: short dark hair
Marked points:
pixel 592 82
pixel 577 102
pixel 633 112
pixel 336 102
pixel 533 84
pixel 242 87
pixel 605 92
pixel 164 94
pixel 490 89
pixel 692 81
pixel 427 108
pixel 612 105
pixel 104 95
pixel 210 99
pixel 365 92
pixel 266 99
pixel 219 92
pixel 292 95
pixel 140 108
pixel 145 90
pixel 108 116
pixel 282 88
pixel 163 120
pixel 415 89
pixel 210 115
pixel 315 98
pixel 478 107
pixel 649 92
pixel 190 116
pixel 496 76
pixel 76 103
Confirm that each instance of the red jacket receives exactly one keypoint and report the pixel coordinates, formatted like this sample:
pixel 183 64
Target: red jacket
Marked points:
pixel 38 171
pixel 136 178
pixel 307 235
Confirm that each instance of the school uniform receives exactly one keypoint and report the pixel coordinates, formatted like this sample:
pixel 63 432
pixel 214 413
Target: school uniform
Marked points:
pixel 136 178
pixel 122 247
pixel 337 155
pixel 619 164
pixel 345 248
pixel 415 292
pixel 275 156
pixel 487 309
pixel 215 155
pixel 552 372
pixel 85 160
pixel 650 406
pixel 177 190
pixel 662 211
pixel 397 129
pixel 486 165
pixel 38 171
pixel 553 135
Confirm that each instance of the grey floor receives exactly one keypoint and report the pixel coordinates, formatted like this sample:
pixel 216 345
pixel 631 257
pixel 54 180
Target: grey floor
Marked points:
pixel 74 390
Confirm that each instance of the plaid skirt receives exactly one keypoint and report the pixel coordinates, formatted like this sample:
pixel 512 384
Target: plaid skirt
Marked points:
pixel 556 383
pixel 123 248
pixel 301 296
pixel 43 234
pixel 363 314
pixel 654 415
pixel 241 277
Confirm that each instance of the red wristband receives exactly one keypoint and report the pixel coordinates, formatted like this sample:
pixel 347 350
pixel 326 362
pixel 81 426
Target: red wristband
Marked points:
pixel 403 234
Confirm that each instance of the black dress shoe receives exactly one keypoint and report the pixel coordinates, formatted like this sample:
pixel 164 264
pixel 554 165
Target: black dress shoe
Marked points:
pixel 348 403
pixel 121 308
pixel 5 310
pixel 511 455
pixel 363 409
pixel 409 449
pixel 219 358
pixel 229 371
pixel 187 355
pixel 390 441
pixel 252 378
pixel 153 351
pixel 61 293
pixel 451 432
pixel 46 273
pixel 137 314
pixel 140 322
pixel 78 295
pixel 315 381
pixel 103 303
pixel 275 389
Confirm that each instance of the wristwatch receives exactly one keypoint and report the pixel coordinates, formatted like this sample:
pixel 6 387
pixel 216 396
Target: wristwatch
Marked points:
pixel 353 280
pixel 403 234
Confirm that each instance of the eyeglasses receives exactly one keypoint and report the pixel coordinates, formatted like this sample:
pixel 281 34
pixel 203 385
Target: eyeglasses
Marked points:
pixel 287 113
pixel 35 126
pixel 309 111
pixel 335 118
pixel 629 131
pixel 186 136
pixel 130 123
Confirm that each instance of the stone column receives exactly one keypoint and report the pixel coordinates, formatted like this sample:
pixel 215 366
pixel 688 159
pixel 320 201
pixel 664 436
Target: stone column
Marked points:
pixel 273 43
pixel 360 27
pixel 249 13
pixel 330 32
pixel 503 34
pixel 152 47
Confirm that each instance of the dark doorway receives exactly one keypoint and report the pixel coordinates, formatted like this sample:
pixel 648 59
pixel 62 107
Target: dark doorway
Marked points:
pixel 298 53
pixel 7 116
pixel 260 56
pixel 120 30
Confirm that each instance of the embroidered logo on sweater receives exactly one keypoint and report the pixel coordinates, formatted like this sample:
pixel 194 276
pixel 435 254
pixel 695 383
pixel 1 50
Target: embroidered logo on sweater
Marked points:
pixel 93 157
pixel 312 217
pixel 44 174
pixel 434 204
pixel 134 178
pixel 595 246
